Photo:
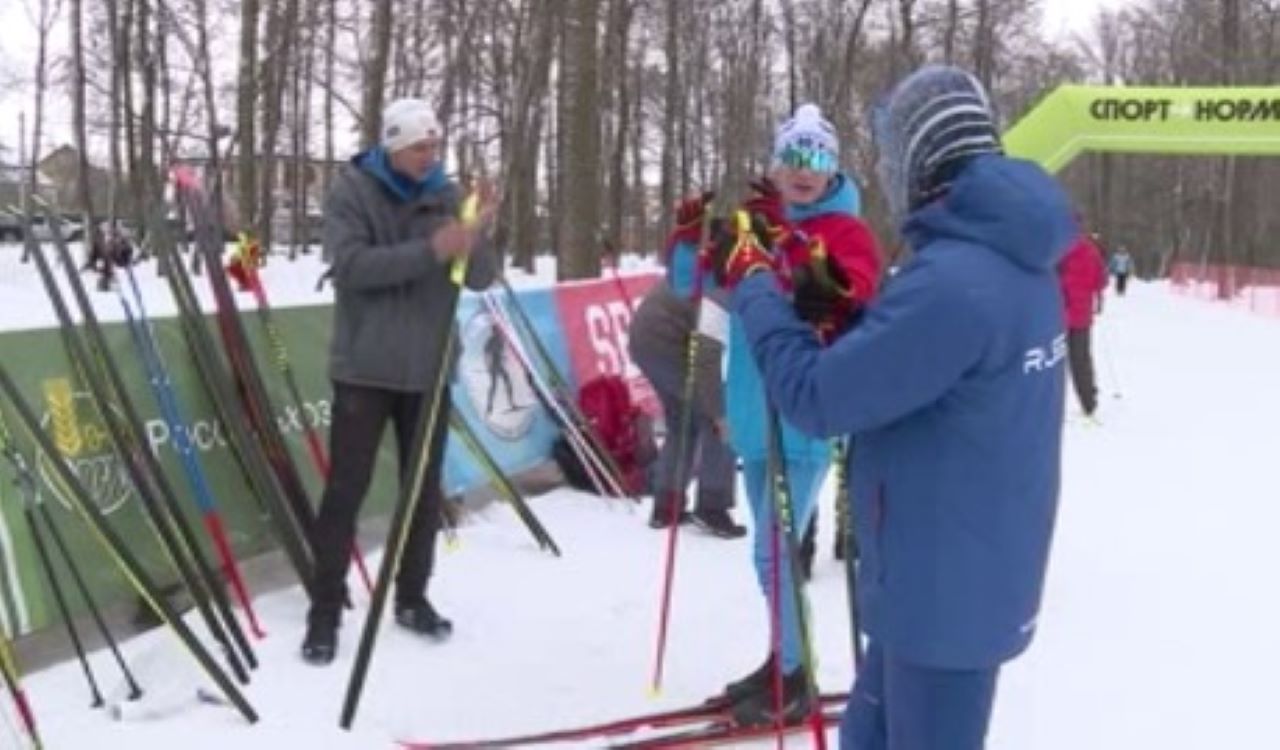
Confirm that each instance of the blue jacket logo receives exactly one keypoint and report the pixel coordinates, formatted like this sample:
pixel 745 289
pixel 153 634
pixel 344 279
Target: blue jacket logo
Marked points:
pixel 1039 359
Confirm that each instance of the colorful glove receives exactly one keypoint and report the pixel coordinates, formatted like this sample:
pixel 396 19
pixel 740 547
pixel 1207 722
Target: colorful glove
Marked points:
pixel 736 253
pixel 244 264
pixel 766 207
pixel 822 294
pixel 690 213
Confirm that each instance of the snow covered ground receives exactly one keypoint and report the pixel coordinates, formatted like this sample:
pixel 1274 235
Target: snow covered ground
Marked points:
pixel 1159 630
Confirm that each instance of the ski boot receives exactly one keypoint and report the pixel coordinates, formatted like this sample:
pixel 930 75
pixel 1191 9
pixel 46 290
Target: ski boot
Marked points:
pixel 421 618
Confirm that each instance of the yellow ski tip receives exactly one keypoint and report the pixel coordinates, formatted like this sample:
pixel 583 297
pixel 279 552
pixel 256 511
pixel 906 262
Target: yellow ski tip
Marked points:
pixel 655 692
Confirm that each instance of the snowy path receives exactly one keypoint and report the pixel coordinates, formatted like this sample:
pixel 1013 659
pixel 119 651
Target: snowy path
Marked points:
pixel 1161 626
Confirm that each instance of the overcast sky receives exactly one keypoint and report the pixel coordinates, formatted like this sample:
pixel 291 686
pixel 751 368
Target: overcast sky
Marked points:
pixel 18 49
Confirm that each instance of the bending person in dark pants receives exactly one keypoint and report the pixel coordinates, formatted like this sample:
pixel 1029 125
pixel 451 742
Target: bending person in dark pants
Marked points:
pixel 392 234
pixel 659 341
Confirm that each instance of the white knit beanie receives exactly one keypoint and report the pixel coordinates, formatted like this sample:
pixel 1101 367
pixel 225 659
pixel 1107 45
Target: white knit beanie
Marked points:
pixel 810 135
pixel 407 121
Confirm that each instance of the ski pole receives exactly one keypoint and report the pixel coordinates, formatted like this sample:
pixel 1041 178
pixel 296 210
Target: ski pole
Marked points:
pixel 119 551
pixel 148 346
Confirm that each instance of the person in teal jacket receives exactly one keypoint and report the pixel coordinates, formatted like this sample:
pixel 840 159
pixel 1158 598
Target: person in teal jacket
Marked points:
pixel 810 208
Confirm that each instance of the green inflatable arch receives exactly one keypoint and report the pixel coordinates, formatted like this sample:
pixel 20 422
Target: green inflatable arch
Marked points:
pixel 1201 121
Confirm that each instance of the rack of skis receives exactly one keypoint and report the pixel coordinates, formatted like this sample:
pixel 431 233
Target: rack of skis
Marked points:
pixel 234 383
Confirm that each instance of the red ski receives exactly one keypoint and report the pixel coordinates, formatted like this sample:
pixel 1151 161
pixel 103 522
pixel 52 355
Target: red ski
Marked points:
pixel 707 716
pixel 723 733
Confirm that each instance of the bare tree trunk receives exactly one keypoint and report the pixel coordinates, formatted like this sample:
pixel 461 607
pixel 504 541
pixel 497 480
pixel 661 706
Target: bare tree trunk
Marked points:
pixel 48 16
pixel 78 120
pixel 375 75
pixel 525 138
pixel 1226 220
pixel 282 25
pixel 620 32
pixel 984 44
pixel 558 160
pixel 147 179
pixel 949 35
pixel 247 115
pixel 331 32
pixel 204 65
pixel 579 258
pixel 113 133
pixel 670 112
pixel 640 194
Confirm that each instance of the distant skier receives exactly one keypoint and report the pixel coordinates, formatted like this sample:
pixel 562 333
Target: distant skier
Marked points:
pixel 951 387
pixel 392 232
pixel 1083 276
pixel 1121 267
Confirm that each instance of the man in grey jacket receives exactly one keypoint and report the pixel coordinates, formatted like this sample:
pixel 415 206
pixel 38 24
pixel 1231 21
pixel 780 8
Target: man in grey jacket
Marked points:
pixel 391 232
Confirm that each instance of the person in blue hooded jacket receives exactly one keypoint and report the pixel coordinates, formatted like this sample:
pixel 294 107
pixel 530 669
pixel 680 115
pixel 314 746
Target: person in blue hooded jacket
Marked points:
pixel 808 209
pixel 391 233
pixel 952 388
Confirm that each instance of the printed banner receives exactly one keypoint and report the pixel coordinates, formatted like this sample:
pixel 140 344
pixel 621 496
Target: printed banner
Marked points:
pixel 594 320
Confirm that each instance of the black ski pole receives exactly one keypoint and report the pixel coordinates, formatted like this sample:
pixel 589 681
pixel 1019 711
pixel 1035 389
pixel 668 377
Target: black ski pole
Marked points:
pixel 129 444
pixel 26 479
pixel 116 547
pixel 784 516
pixel 844 521
pixel 55 586
pixel 500 480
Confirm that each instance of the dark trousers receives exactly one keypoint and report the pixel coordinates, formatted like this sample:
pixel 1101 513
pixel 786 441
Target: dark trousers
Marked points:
pixel 360 415
pixel 1080 357
pixel 1122 281
pixel 706 456
pixel 896 705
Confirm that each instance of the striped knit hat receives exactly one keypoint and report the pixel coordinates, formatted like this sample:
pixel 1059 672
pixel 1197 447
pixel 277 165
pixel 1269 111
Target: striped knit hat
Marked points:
pixel 927 129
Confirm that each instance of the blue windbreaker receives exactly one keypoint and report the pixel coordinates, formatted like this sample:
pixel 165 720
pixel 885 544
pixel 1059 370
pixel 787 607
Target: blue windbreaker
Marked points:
pixel 952 386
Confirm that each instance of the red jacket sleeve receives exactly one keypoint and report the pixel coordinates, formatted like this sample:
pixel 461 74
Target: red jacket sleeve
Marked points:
pixel 853 248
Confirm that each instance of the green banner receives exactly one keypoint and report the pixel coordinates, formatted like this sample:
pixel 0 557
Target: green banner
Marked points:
pixel 71 420
pixel 1189 121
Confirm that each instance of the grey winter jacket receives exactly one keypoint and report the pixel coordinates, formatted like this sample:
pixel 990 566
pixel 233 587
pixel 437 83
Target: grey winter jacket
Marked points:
pixel 659 345
pixel 393 295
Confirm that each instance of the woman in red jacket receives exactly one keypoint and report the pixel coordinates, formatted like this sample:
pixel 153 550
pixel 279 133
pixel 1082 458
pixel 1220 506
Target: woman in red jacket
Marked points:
pixel 1084 276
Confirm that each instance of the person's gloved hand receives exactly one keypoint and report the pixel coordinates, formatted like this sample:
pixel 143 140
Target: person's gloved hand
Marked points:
pixel 735 251
pixel 690 214
pixel 822 294
pixel 767 209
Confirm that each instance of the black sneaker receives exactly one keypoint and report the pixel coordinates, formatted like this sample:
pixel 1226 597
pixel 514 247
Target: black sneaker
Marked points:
pixel 423 619
pixel 718 523
pixel 760 709
pixel 755 682
pixel 320 644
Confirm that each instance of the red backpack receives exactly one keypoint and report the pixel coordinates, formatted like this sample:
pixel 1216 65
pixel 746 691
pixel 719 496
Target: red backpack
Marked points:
pixel 625 430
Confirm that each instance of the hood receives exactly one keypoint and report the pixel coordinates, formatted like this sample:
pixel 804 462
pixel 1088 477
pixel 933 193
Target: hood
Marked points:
pixel 842 197
pixel 375 162
pixel 1009 205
